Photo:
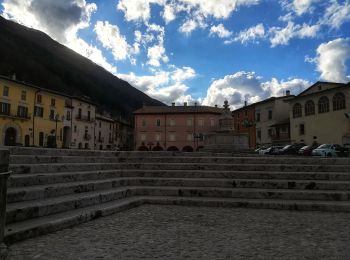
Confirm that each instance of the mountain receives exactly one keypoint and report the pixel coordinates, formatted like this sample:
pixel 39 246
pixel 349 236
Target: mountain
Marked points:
pixel 37 59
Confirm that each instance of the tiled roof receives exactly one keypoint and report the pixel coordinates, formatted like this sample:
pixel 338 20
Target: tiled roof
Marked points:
pixel 178 110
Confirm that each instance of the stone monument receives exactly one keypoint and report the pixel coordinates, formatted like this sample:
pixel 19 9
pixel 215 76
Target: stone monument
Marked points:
pixel 225 139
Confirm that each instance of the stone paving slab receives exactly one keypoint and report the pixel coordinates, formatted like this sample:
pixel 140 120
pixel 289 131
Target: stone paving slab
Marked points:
pixel 180 232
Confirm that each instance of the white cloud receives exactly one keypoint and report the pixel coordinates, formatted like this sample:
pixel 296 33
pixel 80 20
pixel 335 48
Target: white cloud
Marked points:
pixel 155 54
pixel 302 6
pixel 337 14
pixel 188 26
pixel 282 36
pixel 251 34
pixel 61 20
pixel 331 60
pixel 110 37
pixel 166 86
pixel 137 10
pixel 220 31
pixel 247 86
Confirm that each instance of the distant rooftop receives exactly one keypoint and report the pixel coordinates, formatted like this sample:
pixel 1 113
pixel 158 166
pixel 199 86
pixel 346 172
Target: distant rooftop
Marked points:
pixel 178 110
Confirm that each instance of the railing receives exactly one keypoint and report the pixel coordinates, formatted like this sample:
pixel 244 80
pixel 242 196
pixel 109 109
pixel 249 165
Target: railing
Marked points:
pixel 84 118
pixel 4 174
pixel 11 115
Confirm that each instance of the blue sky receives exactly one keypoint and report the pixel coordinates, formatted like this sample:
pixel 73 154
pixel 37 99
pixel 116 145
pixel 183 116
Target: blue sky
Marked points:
pixel 202 50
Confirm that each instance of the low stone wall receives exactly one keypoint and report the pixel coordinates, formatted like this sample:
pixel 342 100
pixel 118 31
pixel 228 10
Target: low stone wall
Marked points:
pixel 4 174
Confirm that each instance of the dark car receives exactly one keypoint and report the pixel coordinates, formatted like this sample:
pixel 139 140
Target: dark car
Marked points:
pixel 306 150
pixel 291 149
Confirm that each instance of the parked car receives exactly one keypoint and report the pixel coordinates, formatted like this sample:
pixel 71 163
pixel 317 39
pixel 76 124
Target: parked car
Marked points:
pixel 291 149
pixel 306 150
pixel 330 150
pixel 271 150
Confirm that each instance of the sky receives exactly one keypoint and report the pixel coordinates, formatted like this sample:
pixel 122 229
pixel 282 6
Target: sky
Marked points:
pixel 203 51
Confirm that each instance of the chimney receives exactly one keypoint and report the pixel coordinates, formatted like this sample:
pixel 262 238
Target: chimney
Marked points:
pixel 287 92
pixel 173 104
pixel 216 105
pixel 245 103
pixel 185 104
pixel 195 104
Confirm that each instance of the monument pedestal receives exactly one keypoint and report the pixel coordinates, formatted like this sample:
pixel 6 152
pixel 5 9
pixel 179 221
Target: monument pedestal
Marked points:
pixel 225 139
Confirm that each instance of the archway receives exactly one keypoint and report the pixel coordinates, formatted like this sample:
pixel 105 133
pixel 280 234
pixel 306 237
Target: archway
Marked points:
pixel 143 148
pixel 172 148
pixel 157 148
pixel 187 149
pixel 26 140
pixel 10 136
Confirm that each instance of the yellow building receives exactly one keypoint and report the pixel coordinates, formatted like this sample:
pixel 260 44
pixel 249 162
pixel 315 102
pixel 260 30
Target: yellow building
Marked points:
pixel 321 114
pixel 30 115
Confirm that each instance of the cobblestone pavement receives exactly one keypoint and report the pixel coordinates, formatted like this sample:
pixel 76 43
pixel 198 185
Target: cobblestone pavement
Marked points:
pixel 178 232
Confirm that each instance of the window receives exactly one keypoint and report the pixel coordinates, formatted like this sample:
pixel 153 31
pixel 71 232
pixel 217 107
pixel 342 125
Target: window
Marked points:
pixel 68 116
pixel 172 122
pixel 201 122
pixel 22 111
pixel 297 110
pixel 258 133
pixel 23 95
pixel 79 113
pixel 89 115
pixel 143 122
pixel 99 124
pixel 238 115
pixel 189 137
pixel 269 132
pixel 237 127
pixel 338 101
pixel 323 105
pixel 110 126
pixel 172 137
pixel 212 122
pixel 5 91
pixel 38 111
pixel 5 108
pixel 309 108
pixel 246 112
pixel 158 122
pixel 301 129
pixel 270 114
pixel 75 129
pixel 38 99
pixel 257 117
pixel 53 102
pixel 52 114
pixel 189 122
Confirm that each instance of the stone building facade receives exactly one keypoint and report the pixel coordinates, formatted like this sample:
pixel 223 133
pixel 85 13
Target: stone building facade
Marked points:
pixel 173 127
pixel 244 122
pixel 321 114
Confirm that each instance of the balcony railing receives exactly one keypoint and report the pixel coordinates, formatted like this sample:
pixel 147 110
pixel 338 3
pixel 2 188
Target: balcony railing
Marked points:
pixel 18 116
pixel 84 118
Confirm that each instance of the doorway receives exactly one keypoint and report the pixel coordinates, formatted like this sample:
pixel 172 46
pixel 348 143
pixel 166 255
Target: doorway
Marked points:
pixel 26 140
pixel 66 137
pixel 10 136
pixel 41 139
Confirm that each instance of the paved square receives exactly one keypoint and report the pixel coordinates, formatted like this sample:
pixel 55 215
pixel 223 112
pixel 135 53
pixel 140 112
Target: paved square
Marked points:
pixel 179 232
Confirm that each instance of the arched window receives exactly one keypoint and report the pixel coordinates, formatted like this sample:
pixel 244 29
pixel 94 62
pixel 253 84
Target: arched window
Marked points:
pixel 323 105
pixel 297 110
pixel 309 108
pixel 338 101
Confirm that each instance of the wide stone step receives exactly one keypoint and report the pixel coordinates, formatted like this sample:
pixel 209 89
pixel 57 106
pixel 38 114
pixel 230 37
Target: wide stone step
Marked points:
pixel 60 189
pixel 20 211
pixel 35 227
pixel 43 225
pixel 64 167
pixel 32 209
pixel 22 180
pixel 33 159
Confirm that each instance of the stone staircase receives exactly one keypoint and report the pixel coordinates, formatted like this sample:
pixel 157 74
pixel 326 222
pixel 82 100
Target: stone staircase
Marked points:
pixel 54 189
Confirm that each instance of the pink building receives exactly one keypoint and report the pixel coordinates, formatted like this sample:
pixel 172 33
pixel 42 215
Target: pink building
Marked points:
pixel 174 128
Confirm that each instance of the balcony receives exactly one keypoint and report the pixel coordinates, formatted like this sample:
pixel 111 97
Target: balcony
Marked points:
pixel 281 137
pixel 84 118
pixel 16 116
pixel 87 137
